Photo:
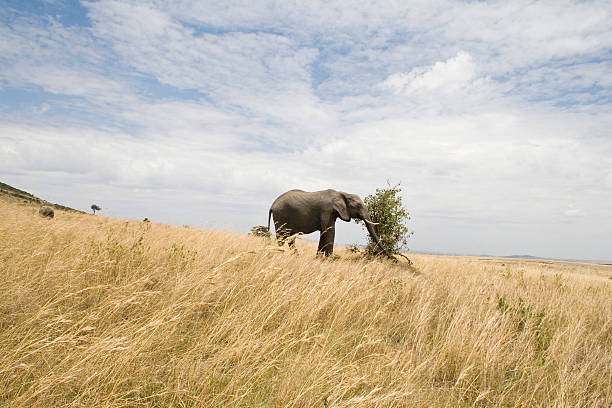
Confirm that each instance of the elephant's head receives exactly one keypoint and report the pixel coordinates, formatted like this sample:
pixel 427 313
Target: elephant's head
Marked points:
pixel 350 206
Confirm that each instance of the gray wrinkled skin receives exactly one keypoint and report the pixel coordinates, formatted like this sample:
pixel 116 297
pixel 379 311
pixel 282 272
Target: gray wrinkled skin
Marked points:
pixel 298 211
pixel 46 211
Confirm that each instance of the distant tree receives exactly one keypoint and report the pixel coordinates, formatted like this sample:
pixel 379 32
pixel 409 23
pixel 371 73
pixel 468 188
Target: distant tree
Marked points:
pixel 385 207
pixel 145 220
pixel 95 208
pixel 260 231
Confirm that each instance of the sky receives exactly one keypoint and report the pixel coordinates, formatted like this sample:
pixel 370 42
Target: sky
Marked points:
pixel 495 117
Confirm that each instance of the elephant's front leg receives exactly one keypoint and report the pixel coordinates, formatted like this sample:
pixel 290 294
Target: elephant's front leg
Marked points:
pixel 326 241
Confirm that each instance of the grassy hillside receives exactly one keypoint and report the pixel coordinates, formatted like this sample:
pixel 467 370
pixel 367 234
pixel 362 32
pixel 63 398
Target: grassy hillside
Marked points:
pixel 11 193
pixel 108 313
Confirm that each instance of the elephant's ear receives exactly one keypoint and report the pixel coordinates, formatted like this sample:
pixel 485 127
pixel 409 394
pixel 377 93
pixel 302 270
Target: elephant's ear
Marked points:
pixel 339 204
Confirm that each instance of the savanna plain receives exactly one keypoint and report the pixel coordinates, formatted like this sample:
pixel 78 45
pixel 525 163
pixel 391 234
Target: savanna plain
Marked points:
pixel 101 312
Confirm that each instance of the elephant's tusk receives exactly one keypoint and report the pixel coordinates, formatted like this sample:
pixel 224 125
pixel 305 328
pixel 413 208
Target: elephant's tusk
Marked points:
pixel 372 223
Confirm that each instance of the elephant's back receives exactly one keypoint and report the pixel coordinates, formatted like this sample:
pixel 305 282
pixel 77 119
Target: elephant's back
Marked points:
pixel 288 199
pixel 297 210
pixel 300 199
pixel 303 195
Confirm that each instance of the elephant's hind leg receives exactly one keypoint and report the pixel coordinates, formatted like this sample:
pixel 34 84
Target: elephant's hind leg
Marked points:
pixel 291 243
pixel 282 233
pixel 286 235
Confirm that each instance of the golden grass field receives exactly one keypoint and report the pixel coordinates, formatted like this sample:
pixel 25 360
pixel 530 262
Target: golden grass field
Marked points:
pixel 99 312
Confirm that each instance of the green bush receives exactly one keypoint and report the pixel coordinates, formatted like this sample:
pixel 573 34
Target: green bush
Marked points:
pixel 260 231
pixel 385 207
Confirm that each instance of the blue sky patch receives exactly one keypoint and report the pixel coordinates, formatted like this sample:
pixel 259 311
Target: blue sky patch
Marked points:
pixel 67 12
pixel 145 97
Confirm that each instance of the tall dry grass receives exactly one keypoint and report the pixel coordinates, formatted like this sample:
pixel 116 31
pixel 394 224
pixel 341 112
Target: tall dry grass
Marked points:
pixel 98 312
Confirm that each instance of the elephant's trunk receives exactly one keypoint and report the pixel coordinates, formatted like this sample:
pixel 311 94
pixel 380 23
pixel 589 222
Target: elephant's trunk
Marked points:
pixel 370 226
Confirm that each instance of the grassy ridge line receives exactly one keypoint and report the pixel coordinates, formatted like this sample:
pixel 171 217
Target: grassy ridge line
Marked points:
pixel 11 192
pixel 109 313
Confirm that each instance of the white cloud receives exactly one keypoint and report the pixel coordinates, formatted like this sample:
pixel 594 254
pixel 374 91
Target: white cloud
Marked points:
pixel 63 61
pixel 573 212
pixel 265 76
pixel 213 63
pixel 494 116
pixel 450 76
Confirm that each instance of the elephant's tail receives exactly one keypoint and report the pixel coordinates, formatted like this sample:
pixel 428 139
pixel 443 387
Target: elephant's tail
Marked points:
pixel 269 215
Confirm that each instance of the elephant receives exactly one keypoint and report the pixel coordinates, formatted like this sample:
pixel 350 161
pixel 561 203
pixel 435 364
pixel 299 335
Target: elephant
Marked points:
pixel 298 211
pixel 46 211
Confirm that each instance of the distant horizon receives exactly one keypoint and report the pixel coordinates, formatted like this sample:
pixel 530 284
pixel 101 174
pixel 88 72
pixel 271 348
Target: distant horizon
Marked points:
pixel 314 238
pixel 514 256
pixel 494 117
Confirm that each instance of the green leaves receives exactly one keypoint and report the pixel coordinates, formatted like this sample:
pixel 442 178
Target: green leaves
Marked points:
pixel 386 208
